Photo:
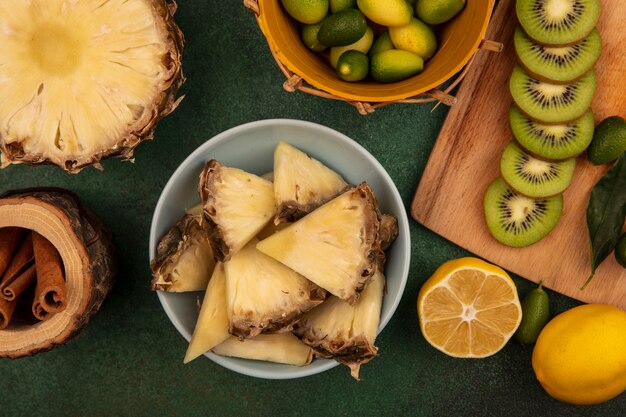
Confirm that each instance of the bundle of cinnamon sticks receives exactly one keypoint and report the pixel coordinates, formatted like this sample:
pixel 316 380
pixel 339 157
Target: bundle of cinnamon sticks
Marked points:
pixel 29 260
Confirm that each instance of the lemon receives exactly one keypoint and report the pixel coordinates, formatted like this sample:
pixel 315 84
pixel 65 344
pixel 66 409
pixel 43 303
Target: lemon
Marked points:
pixel 535 315
pixel 394 65
pixel 308 12
pixel 609 141
pixel 435 12
pixel 387 12
pixel 343 28
pixel 309 37
pixel 353 66
pixel 381 43
pixel 580 356
pixel 339 5
pixel 414 37
pixel 468 308
pixel 362 45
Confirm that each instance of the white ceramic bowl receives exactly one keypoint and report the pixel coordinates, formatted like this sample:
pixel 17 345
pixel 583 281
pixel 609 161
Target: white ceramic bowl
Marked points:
pixel 251 147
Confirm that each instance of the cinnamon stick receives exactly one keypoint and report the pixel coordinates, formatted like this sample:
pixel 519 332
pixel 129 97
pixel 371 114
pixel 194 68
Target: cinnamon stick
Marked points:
pixel 6 311
pixel 22 260
pixel 50 290
pixel 9 239
pixel 20 284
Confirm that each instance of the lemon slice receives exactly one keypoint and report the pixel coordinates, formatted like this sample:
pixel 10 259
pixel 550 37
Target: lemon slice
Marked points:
pixel 469 308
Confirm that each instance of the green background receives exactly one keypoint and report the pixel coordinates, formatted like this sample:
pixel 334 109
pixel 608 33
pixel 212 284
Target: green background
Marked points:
pixel 128 361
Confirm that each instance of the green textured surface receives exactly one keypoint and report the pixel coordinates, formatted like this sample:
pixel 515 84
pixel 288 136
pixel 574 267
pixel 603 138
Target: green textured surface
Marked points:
pixel 129 359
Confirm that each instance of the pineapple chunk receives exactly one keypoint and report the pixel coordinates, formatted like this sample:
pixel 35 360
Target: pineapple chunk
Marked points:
pixel 264 295
pixel 301 183
pixel 212 325
pixel 268 176
pixel 279 348
pixel 343 332
pixel 336 246
pixel 197 210
pixel 271 229
pixel 184 259
pixel 237 206
pixel 84 80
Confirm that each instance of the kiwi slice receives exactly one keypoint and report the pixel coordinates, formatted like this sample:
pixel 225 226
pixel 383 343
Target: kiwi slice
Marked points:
pixel 552 141
pixel 552 103
pixel 557 64
pixel 517 220
pixel 558 22
pixel 535 177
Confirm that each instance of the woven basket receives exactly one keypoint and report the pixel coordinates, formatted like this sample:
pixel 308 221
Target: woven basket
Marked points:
pixel 308 72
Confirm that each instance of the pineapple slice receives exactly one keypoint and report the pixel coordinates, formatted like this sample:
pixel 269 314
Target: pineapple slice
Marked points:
pixel 84 80
pixel 343 332
pixel 184 259
pixel 268 176
pixel 212 325
pixel 301 183
pixel 280 348
pixel 264 295
pixel 335 246
pixel 237 206
pixel 197 210
pixel 271 229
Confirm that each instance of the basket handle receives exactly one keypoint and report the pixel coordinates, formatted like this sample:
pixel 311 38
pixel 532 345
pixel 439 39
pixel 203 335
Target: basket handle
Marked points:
pixel 252 5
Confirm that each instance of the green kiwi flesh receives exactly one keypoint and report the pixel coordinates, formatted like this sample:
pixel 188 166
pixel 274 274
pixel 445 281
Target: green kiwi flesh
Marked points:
pixel 552 103
pixel 556 142
pixel 535 177
pixel 516 220
pixel 558 22
pixel 557 64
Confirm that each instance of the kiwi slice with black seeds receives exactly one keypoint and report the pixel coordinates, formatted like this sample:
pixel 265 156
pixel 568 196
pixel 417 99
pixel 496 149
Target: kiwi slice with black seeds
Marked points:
pixel 534 177
pixel 516 220
pixel 558 22
pixel 556 142
pixel 560 64
pixel 552 103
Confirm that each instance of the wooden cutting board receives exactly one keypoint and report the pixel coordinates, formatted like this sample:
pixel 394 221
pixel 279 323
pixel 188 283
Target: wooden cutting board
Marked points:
pixel 466 157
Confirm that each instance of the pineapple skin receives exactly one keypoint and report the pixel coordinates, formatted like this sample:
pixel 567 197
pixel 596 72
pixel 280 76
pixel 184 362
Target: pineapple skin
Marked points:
pixel 143 129
pixel 388 233
pixel 173 248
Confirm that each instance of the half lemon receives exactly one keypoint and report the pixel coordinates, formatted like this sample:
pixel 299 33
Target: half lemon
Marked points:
pixel 469 308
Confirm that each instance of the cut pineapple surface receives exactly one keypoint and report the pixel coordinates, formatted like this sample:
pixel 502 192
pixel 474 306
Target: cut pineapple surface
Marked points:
pixel 279 348
pixel 197 210
pixel 469 308
pixel 237 206
pixel 212 325
pixel 301 183
pixel 344 332
pixel 335 246
pixel 263 295
pixel 184 259
pixel 83 80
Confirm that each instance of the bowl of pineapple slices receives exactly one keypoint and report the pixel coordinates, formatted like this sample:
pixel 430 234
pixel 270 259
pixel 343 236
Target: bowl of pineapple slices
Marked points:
pixel 280 249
